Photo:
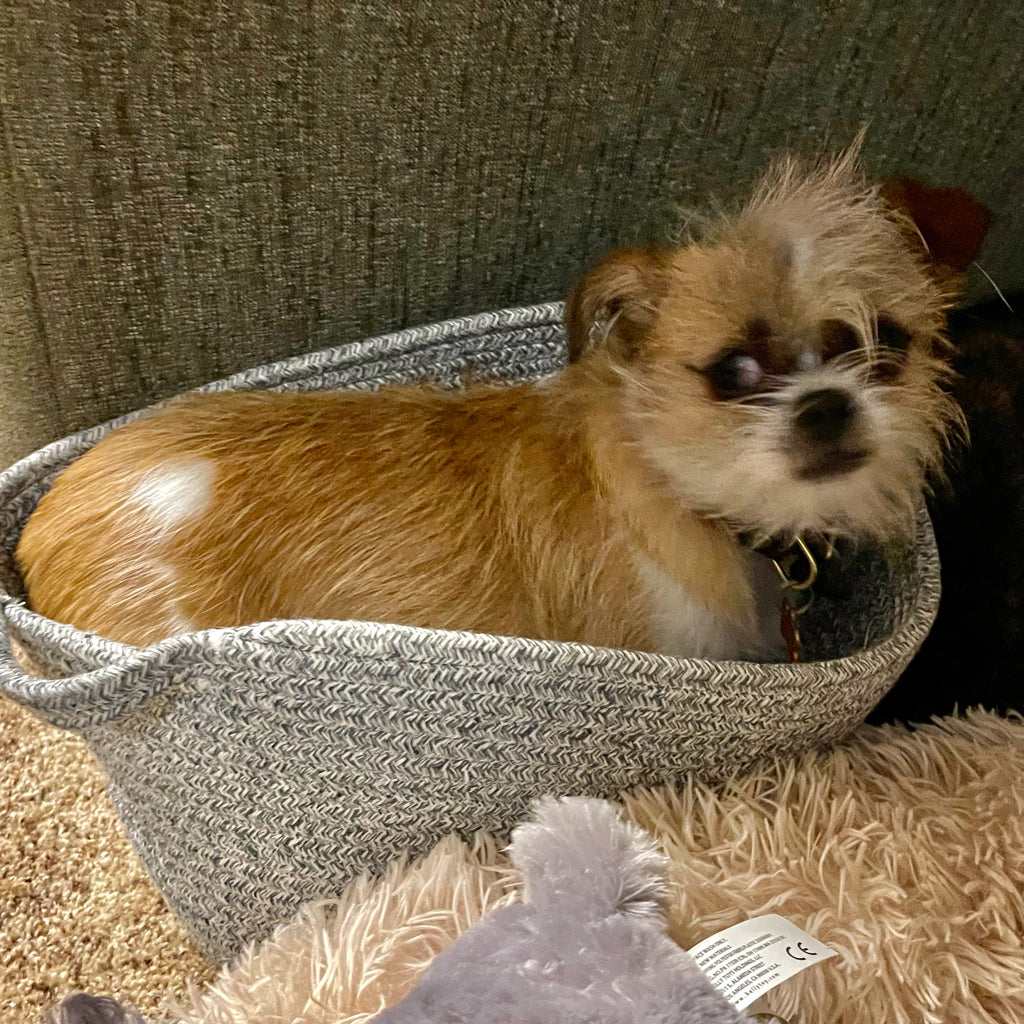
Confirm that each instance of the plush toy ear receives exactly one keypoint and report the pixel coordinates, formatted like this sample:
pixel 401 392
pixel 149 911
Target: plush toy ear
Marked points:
pixel 579 859
pixel 616 303
pixel 952 223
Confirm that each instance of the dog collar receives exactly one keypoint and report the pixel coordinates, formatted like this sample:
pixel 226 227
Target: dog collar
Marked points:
pixel 798 570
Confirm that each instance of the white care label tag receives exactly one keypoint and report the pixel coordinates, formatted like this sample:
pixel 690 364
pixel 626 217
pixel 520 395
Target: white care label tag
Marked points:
pixel 745 961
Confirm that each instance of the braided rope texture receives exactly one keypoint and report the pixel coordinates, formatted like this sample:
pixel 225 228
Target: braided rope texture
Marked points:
pixel 259 767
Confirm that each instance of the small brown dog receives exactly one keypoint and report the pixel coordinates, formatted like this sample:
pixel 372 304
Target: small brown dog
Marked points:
pixel 779 378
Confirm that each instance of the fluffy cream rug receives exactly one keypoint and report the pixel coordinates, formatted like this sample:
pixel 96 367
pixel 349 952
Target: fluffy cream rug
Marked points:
pixel 903 851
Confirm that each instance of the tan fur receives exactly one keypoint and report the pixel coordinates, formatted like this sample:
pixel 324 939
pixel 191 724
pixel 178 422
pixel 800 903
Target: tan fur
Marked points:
pixel 318 513
pixel 542 510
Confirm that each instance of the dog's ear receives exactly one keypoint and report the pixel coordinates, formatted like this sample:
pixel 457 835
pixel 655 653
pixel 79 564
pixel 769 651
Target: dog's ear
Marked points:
pixel 616 303
pixel 952 223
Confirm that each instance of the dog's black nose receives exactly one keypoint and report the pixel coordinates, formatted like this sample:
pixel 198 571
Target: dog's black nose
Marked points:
pixel 825 415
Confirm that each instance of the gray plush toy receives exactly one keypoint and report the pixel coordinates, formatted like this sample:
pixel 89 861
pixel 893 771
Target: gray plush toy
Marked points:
pixel 588 947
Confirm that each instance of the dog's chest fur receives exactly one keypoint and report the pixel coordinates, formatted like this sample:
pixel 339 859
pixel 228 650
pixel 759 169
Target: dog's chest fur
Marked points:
pixel 682 624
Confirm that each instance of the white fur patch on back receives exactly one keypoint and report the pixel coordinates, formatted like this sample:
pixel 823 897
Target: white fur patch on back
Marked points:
pixel 175 490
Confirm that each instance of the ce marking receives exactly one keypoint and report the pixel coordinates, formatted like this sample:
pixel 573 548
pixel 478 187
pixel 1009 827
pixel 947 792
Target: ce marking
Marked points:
pixel 803 949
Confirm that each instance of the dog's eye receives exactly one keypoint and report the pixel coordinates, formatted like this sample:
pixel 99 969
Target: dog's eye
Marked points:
pixel 837 337
pixel 892 334
pixel 734 374
pixel 893 341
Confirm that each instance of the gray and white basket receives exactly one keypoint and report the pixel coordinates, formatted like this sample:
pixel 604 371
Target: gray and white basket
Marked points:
pixel 258 767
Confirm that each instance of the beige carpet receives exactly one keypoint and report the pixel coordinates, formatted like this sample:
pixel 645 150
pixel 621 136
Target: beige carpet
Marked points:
pixel 905 852
pixel 77 910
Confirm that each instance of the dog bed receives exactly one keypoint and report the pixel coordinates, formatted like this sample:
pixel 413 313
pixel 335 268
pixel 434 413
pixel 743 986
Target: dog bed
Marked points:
pixel 258 767
pixel 904 851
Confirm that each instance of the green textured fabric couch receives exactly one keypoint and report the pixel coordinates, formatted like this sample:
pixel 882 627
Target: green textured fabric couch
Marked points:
pixel 188 188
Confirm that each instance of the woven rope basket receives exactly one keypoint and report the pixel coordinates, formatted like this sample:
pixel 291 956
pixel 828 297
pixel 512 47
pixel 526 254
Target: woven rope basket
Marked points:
pixel 258 767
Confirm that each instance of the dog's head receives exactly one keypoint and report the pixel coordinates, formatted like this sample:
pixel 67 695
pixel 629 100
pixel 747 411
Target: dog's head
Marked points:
pixel 785 372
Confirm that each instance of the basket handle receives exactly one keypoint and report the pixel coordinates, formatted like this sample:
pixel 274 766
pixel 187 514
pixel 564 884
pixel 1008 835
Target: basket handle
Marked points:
pixel 96 693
